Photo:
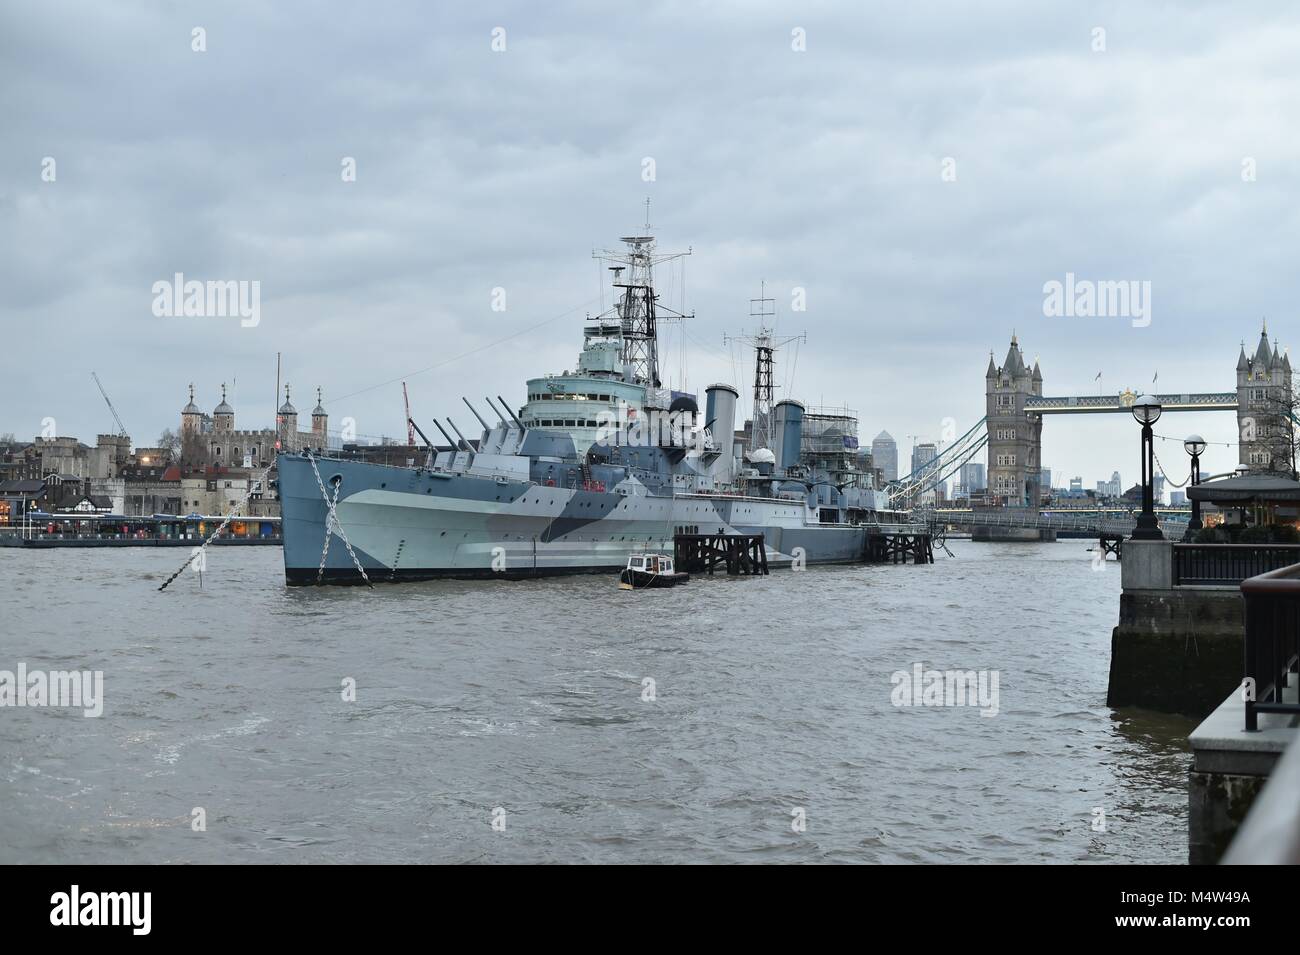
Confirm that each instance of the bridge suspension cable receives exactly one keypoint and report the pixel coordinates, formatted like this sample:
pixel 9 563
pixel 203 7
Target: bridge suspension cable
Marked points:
pixel 937 470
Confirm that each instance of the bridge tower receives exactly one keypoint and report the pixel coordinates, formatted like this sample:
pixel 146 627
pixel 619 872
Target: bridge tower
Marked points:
pixel 1015 435
pixel 1264 407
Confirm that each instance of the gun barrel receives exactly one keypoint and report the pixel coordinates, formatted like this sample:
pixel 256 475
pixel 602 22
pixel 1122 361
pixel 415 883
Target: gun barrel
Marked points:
pixel 476 414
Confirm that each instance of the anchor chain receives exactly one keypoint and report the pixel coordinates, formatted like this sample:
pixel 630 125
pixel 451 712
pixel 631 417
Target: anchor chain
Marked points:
pixel 332 522
pixel 252 488
pixel 329 524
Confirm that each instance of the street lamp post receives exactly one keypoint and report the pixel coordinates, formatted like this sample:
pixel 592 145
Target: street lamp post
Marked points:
pixel 1194 444
pixel 1147 411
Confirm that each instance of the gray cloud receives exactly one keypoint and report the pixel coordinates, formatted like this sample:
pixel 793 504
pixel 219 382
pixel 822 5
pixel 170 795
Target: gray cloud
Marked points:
pixel 479 169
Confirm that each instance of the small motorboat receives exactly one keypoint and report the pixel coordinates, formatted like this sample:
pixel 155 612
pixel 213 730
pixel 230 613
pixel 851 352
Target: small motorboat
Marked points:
pixel 650 570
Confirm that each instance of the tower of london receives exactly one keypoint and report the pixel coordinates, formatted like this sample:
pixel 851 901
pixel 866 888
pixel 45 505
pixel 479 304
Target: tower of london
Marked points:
pixel 213 440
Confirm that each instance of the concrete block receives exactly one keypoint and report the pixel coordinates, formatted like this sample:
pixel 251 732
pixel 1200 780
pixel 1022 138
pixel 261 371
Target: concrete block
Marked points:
pixel 1177 650
pixel 1217 804
pixel 1147 565
pixel 1229 769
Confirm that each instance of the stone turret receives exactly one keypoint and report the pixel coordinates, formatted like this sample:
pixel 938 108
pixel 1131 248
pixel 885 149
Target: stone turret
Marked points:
pixel 319 422
pixel 1015 435
pixel 191 416
pixel 287 424
pixel 1265 404
pixel 223 416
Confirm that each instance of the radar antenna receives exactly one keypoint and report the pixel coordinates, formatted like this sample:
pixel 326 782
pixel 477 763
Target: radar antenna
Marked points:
pixel 638 310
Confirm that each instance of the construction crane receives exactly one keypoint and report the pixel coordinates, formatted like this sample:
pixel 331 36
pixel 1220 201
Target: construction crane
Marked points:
pixel 410 425
pixel 121 428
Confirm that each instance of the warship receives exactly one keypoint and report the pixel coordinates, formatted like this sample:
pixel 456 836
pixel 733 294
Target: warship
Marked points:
pixel 598 464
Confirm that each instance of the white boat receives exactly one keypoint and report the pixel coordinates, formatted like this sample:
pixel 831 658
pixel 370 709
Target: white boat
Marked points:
pixel 650 570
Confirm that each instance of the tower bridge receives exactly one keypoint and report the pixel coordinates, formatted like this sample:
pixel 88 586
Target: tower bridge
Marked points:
pixel 1015 406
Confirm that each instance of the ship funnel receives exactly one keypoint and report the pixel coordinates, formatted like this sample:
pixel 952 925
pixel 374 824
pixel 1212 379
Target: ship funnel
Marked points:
pixel 720 408
pixel 788 432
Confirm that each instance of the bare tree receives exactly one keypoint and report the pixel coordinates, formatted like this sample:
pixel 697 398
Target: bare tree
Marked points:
pixel 170 442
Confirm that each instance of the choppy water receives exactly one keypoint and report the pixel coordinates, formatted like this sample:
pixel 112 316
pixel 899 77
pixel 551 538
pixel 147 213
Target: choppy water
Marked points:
pixel 771 695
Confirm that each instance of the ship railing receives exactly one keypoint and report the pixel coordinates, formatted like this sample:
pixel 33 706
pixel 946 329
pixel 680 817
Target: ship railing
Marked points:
pixel 488 472
pixel 732 496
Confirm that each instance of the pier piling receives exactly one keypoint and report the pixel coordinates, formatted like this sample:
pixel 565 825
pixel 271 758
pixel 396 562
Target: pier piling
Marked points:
pixel 897 548
pixel 701 553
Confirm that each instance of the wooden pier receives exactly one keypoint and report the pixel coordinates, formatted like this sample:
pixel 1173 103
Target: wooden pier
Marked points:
pixel 1111 544
pixel 897 548
pixel 702 553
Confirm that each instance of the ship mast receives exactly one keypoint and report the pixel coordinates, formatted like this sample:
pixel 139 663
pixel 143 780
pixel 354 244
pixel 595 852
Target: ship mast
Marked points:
pixel 637 307
pixel 765 346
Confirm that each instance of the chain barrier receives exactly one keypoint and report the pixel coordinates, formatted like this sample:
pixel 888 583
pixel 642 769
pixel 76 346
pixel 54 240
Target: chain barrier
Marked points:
pixel 1168 479
pixel 329 538
pixel 253 487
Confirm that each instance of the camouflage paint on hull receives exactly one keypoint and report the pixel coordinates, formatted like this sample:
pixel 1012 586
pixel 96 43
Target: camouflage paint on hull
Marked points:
pixel 417 524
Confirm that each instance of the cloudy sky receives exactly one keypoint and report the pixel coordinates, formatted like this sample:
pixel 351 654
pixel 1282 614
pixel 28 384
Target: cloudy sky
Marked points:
pixel 1116 155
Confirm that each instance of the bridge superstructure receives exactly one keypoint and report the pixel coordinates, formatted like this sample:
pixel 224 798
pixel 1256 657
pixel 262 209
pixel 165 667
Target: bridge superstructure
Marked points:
pixel 1012 427
pixel 1097 522
pixel 1015 407
pixel 1123 402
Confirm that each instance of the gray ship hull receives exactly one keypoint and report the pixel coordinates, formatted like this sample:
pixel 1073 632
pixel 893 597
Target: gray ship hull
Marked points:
pixel 419 524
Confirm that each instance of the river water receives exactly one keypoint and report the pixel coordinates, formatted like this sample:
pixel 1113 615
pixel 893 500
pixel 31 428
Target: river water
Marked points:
pixel 513 721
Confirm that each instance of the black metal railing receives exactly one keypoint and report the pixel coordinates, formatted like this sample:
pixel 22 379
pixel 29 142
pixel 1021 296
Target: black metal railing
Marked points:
pixel 1228 564
pixel 1272 641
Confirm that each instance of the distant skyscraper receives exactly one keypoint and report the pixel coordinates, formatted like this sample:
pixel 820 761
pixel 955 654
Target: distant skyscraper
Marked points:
pixel 1177 498
pixel 973 477
pixel 884 455
pixel 1112 488
pixel 923 454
